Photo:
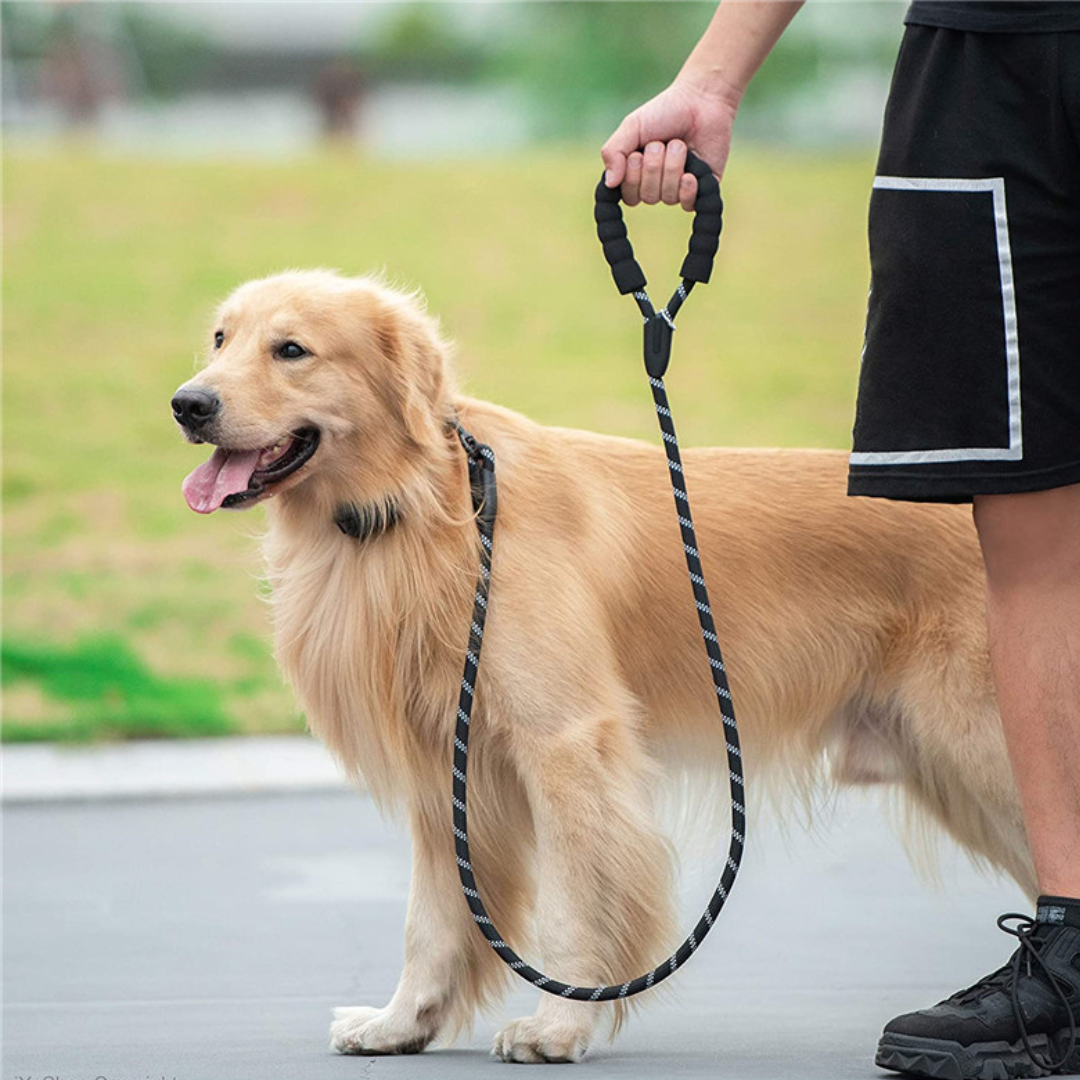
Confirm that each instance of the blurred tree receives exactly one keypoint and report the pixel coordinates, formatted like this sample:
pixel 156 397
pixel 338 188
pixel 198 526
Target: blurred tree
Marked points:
pixel 26 29
pixel 147 51
pixel 172 57
pixel 584 65
pixel 423 42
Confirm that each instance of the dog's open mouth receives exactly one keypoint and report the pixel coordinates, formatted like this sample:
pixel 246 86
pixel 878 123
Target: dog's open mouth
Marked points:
pixel 236 477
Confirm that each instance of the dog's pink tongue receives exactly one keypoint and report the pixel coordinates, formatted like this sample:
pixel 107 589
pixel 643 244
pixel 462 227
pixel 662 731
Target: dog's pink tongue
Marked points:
pixel 226 473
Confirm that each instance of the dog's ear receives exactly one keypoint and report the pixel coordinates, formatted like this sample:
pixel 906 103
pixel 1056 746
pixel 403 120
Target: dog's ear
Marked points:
pixel 412 380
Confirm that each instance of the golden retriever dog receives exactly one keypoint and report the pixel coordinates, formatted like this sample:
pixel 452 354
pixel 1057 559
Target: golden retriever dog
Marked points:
pixel 853 631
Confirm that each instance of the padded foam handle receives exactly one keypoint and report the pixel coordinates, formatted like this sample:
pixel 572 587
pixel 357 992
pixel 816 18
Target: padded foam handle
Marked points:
pixel 708 221
pixel 704 235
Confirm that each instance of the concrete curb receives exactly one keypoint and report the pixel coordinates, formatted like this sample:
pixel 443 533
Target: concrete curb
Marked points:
pixel 46 772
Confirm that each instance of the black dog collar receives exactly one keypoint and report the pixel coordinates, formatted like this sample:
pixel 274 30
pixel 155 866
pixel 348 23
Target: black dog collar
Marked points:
pixel 361 522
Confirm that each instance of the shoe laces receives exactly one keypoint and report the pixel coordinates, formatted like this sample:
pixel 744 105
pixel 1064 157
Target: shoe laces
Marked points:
pixel 1023 960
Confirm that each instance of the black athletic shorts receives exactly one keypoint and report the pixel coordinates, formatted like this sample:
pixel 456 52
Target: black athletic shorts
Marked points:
pixel 970 379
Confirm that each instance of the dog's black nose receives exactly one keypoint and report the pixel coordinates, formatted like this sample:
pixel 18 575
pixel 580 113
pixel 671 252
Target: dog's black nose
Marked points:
pixel 193 407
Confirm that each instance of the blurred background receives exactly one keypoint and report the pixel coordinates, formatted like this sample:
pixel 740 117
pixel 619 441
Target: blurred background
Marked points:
pixel 157 154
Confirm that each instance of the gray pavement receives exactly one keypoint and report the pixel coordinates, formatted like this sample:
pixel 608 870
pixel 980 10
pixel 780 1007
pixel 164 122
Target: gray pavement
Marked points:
pixel 209 937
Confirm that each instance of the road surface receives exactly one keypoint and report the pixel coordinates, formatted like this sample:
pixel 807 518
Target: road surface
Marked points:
pixel 208 939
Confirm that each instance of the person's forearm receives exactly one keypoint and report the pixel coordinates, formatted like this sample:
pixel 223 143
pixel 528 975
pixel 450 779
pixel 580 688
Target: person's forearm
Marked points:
pixel 734 46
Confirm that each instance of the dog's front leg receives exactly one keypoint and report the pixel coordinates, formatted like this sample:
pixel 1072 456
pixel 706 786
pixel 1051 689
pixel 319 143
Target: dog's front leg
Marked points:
pixel 450 970
pixel 604 894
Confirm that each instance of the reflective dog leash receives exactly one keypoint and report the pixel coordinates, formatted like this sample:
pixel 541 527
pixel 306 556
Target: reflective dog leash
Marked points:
pixel 659 325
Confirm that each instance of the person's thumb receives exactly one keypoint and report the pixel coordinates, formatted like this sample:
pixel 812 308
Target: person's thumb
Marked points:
pixel 624 141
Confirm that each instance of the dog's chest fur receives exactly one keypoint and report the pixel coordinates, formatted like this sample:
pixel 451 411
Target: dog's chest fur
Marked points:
pixel 364 632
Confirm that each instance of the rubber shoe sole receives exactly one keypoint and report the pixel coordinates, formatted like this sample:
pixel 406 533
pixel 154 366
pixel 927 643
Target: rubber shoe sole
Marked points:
pixel 941 1059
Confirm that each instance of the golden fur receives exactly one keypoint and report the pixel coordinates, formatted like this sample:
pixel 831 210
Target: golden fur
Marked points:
pixel 853 630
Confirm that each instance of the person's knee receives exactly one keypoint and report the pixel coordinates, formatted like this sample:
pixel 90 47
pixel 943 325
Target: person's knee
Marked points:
pixel 1030 538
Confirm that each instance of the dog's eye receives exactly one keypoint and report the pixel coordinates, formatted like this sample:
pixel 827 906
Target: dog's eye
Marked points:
pixel 291 351
pixel 219 338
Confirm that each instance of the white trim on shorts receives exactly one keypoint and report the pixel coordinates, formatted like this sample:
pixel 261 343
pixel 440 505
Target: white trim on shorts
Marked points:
pixel 1015 450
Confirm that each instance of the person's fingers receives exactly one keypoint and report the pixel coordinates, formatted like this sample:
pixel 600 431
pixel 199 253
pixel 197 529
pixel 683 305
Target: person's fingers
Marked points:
pixel 616 151
pixel 615 169
pixel 631 185
pixel 687 191
pixel 652 172
pixel 674 164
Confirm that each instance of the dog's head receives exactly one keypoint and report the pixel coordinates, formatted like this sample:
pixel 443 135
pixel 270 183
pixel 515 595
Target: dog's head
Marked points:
pixel 312 380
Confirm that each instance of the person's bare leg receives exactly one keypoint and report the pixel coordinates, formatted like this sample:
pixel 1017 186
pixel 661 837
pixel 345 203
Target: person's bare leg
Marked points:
pixel 1024 1026
pixel 1031 549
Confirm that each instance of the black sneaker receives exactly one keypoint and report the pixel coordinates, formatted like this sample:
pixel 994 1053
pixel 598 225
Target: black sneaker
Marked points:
pixel 1019 1021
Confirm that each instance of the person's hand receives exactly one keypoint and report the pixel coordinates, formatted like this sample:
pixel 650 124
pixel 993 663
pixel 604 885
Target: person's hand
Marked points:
pixel 684 115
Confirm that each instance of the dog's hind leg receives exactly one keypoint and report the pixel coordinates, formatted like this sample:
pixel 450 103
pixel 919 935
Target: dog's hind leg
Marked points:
pixel 604 893
pixel 450 970
pixel 940 740
pixel 959 773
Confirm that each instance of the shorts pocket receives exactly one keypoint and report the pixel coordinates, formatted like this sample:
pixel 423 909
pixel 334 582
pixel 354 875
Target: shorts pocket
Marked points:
pixel 940 378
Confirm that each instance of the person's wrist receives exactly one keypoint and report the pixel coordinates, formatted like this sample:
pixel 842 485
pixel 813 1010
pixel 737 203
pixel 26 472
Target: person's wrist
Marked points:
pixel 708 85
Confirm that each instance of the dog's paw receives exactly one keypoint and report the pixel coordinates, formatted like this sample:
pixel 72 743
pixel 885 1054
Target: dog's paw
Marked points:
pixel 364 1030
pixel 536 1039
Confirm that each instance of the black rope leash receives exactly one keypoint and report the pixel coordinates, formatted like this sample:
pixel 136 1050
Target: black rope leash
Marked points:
pixel 659 326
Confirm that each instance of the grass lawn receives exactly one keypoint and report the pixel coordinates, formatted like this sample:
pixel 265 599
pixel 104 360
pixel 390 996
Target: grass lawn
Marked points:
pixel 125 613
